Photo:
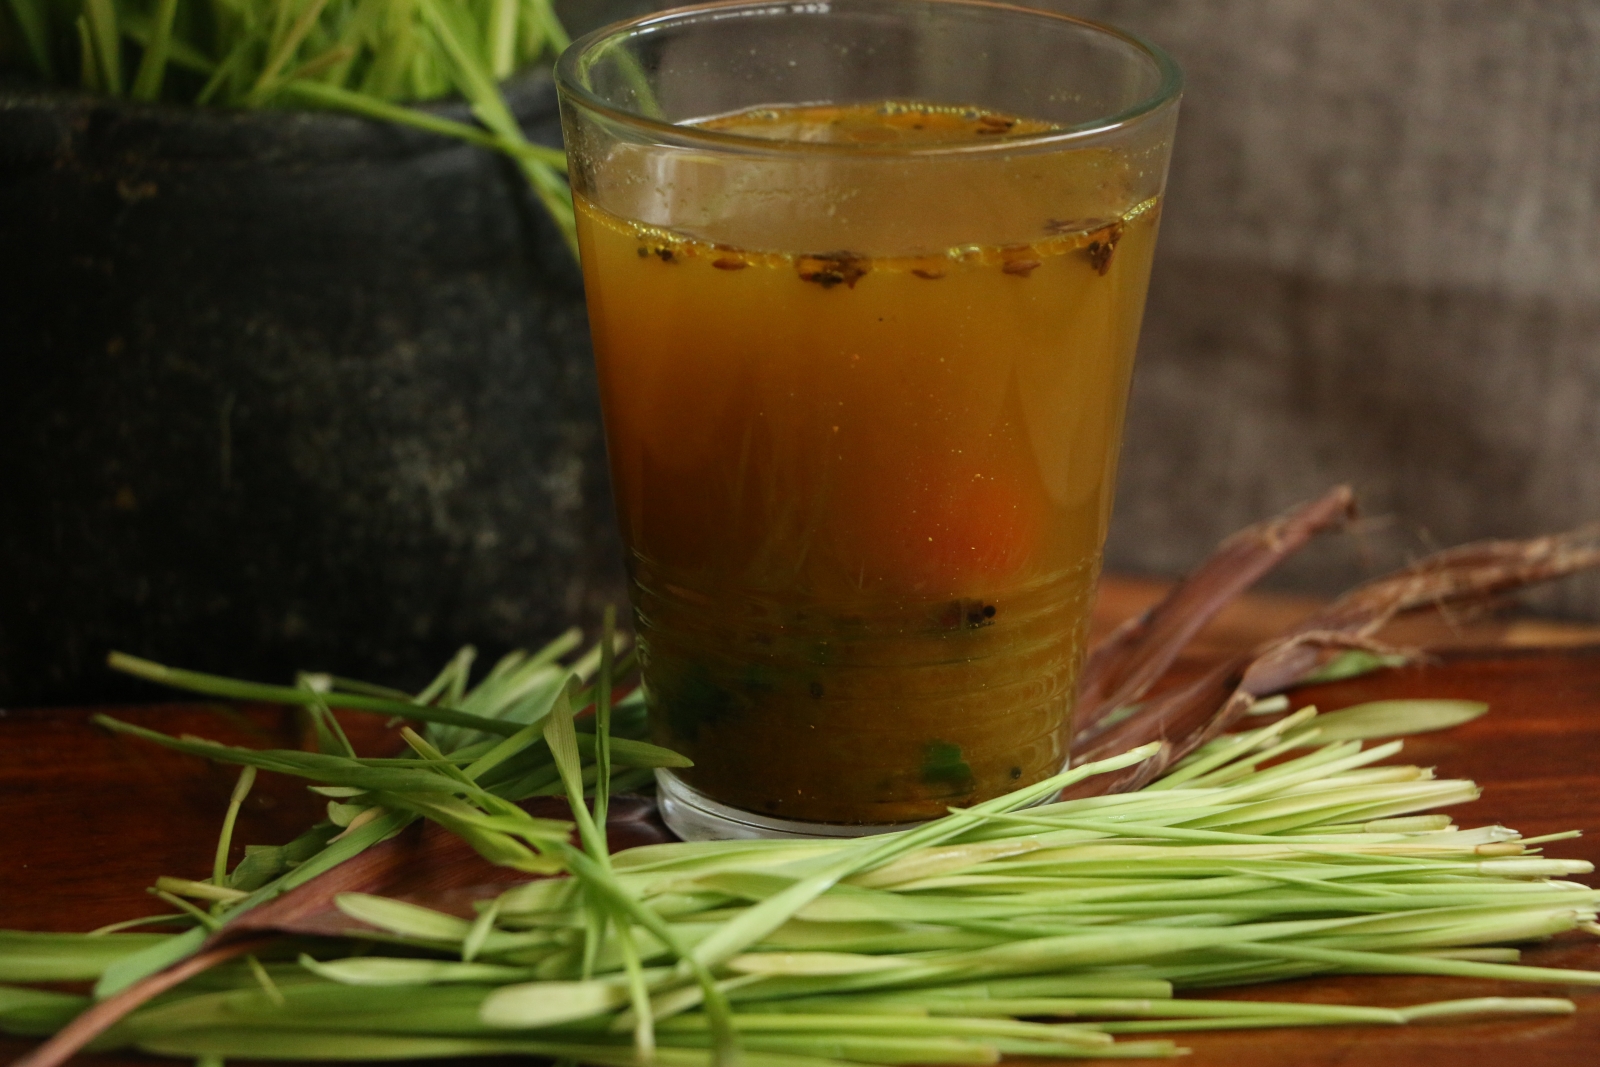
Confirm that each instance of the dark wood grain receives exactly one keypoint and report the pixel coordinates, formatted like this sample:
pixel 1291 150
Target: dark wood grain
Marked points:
pixel 88 819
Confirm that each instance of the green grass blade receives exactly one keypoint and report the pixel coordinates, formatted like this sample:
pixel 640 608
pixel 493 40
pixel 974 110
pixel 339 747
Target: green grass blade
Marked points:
pixel 1395 718
pixel 1350 664
pixel 37 1012
pixel 127 970
pixel 26 956
pixel 759 921
pixel 459 666
pixel 350 844
pixel 644 1027
pixel 393 776
pixel 153 64
pixel 481 926
pixel 478 86
pixel 284 48
pixel 1487 1007
pixel 344 1047
pixel 602 707
pixel 540 1004
pixel 389 971
pixel 627 752
pixel 560 735
pixel 33 20
pixel 1396 963
pixel 219 862
pixel 89 75
pixel 502 37
pixel 107 41
pixel 215 685
pixel 397 916
pixel 514 745
pixel 180 51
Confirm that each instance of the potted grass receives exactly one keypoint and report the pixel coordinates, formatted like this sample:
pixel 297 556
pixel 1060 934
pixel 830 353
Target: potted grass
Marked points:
pixel 296 361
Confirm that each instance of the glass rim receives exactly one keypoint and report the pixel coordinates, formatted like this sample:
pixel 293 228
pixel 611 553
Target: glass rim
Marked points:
pixel 1166 93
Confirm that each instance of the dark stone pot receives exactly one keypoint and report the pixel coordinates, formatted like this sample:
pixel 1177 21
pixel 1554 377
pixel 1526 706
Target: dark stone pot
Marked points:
pixel 284 390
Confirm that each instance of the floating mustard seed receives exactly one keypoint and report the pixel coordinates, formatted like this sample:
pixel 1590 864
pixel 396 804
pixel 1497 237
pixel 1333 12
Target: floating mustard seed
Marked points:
pixel 729 263
pixel 1022 267
pixel 931 275
pixel 832 268
pixel 1102 245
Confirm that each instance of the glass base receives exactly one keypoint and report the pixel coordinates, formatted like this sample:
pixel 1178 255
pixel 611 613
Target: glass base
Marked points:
pixel 695 817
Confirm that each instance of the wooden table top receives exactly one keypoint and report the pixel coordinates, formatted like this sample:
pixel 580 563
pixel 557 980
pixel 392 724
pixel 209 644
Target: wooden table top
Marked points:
pixel 88 819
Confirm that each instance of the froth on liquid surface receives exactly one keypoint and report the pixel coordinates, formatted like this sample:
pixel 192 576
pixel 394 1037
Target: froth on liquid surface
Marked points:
pixel 890 123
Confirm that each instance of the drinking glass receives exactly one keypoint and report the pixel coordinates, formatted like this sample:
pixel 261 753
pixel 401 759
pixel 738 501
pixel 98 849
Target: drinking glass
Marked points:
pixel 864 279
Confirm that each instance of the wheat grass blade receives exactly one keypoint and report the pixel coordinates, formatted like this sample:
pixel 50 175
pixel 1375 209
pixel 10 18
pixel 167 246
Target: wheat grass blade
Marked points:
pixel 215 685
pixel 153 64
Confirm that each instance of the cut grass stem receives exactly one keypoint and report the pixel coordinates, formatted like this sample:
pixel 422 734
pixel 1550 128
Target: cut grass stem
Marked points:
pixel 943 944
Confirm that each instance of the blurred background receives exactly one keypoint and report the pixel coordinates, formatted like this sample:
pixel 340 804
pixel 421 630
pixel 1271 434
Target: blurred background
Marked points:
pixel 1380 264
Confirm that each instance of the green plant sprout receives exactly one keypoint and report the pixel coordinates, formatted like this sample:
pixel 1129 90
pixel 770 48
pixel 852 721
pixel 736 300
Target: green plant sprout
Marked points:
pixel 368 57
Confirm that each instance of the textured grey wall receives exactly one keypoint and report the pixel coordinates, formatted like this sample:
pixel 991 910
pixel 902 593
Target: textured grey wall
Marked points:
pixel 1380 263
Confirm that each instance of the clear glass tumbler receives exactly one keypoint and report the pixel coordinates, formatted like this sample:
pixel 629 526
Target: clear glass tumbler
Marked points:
pixel 865 280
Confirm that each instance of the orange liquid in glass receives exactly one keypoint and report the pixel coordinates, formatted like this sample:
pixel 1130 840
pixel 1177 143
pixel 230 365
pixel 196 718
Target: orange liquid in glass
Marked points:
pixel 864 495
